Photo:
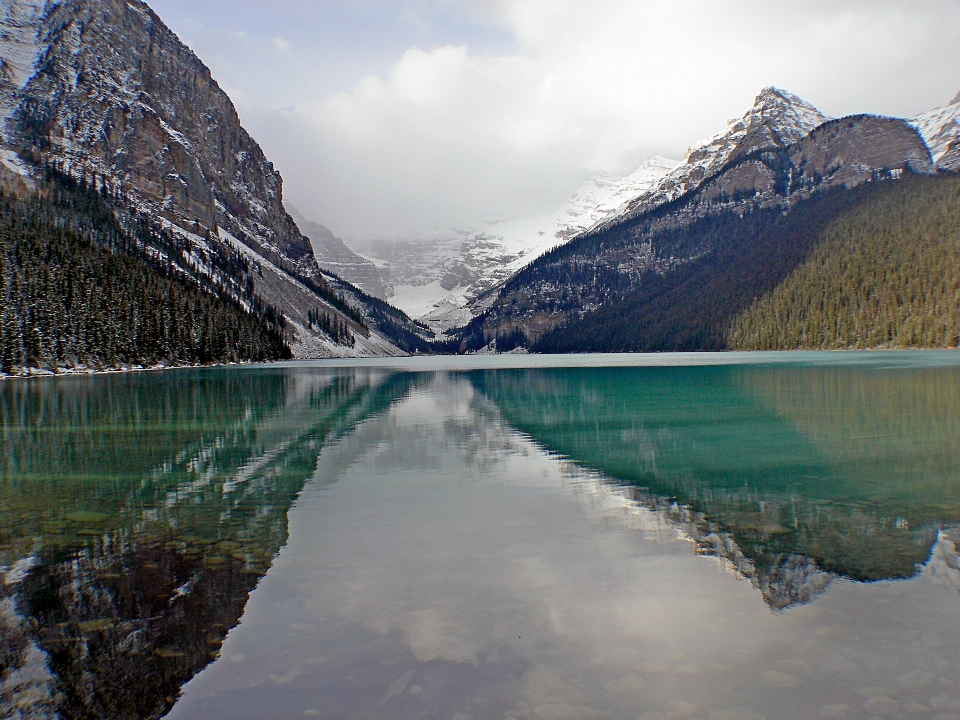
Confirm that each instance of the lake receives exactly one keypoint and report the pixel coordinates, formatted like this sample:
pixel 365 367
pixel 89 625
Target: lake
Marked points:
pixel 714 536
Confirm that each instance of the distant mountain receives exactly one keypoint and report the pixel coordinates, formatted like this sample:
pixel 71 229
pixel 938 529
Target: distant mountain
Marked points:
pixel 439 280
pixel 673 271
pixel 332 254
pixel 104 92
pixel 776 119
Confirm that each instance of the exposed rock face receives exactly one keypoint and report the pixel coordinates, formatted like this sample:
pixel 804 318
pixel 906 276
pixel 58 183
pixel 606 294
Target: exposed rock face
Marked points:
pixel 19 47
pixel 117 93
pixel 332 254
pixel 845 152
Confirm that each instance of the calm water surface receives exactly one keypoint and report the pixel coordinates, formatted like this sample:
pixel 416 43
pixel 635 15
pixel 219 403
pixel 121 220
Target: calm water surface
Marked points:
pixel 716 537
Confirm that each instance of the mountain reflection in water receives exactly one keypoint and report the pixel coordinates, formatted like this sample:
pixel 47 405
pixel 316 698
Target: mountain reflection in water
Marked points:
pixel 483 544
pixel 794 473
pixel 138 512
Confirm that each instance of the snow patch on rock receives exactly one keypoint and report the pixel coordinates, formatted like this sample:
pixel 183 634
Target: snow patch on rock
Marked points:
pixel 939 128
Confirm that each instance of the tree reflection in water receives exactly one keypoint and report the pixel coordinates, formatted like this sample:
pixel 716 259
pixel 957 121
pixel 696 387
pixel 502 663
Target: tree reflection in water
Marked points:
pixel 138 514
pixel 794 473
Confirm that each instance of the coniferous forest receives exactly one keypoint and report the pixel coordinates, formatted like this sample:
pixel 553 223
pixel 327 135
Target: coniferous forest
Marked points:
pixel 78 289
pixel 884 275
pixel 873 266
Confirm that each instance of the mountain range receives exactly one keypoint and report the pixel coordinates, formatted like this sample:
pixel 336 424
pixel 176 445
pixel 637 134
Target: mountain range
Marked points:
pixel 448 282
pixel 438 280
pixel 675 266
pixel 125 170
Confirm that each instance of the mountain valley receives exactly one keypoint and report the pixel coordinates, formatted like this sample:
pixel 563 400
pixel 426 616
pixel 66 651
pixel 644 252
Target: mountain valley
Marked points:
pixel 119 142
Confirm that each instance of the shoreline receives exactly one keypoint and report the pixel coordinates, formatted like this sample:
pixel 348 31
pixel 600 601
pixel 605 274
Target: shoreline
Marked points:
pixel 42 374
pixel 428 363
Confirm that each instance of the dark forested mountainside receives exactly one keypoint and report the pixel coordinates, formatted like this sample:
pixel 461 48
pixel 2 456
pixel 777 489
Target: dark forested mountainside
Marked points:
pixel 690 307
pixel 875 266
pixel 885 274
pixel 77 288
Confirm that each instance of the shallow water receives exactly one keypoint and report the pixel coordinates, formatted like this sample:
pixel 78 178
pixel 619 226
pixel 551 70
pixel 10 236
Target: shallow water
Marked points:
pixel 755 536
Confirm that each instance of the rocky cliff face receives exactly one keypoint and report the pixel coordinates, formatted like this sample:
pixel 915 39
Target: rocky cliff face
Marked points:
pixel 19 47
pixel 116 93
pixel 103 90
pixel 845 152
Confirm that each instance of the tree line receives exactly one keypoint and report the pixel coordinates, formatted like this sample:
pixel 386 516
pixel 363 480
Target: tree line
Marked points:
pixel 873 266
pixel 80 287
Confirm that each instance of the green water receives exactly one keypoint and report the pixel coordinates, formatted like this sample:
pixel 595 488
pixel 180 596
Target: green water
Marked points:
pixel 656 532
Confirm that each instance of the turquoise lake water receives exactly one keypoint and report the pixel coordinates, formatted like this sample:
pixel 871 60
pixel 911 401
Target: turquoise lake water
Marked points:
pixel 714 536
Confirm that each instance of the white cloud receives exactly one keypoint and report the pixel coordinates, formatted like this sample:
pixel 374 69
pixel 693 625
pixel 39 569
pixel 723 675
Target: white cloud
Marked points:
pixel 451 135
pixel 280 44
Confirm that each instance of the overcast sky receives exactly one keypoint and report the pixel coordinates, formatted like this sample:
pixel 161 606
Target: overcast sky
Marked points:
pixel 404 118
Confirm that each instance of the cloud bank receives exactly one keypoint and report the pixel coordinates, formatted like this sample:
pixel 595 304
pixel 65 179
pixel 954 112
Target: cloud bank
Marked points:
pixel 451 114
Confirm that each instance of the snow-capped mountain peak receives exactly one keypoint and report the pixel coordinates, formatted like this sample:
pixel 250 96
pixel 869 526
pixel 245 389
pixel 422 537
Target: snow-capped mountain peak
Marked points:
pixel 777 118
pixel 786 118
pixel 940 129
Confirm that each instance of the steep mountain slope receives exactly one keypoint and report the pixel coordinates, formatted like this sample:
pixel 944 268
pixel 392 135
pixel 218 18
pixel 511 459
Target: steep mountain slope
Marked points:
pixel 103 89
pixel 883 275
pixel 681 246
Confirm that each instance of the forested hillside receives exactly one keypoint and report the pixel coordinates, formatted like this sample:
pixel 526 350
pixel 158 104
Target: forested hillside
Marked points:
pixel 674 277
pixel 886 274
pixel 79 289
pixel 875 266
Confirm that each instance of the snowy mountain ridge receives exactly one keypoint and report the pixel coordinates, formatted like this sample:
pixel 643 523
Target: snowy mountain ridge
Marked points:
pixel 777 118
pixel 940 129
pixel 439 286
